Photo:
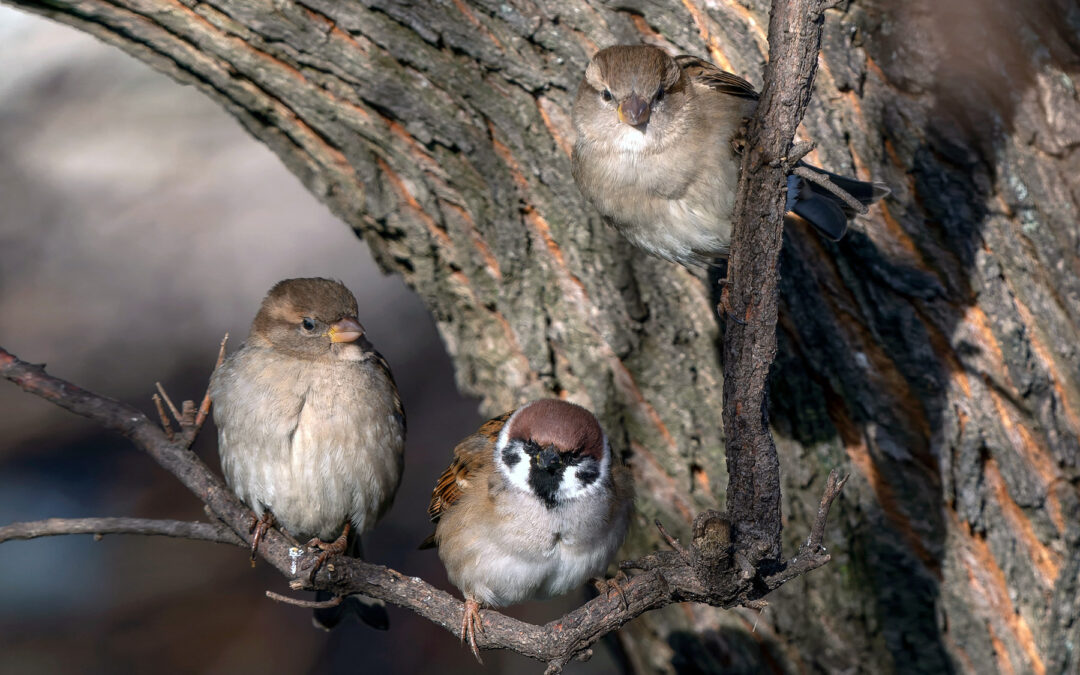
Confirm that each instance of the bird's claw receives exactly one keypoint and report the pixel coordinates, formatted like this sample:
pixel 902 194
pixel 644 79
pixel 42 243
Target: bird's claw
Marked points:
pixel 259 526
pixel 724 308
pixel 471 624
pixel 336 547
pixel 606 586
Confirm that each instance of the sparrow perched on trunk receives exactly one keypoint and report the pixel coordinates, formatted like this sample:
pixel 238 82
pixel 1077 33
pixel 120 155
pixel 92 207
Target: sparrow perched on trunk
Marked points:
pixel 655 154
pixel 532 506
pixel 311 430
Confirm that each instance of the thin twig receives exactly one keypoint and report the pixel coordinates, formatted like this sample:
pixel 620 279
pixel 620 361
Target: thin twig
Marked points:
pixel 172 408
pixel 833 485
pixel 672 541
pixel 164 417
pixel 204 407
pixel 823 180
pixel 307 604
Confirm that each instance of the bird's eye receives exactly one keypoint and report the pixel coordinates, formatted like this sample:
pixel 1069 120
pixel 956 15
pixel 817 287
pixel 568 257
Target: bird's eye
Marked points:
pixel 308 324
pixel 659 95
pixel 606 95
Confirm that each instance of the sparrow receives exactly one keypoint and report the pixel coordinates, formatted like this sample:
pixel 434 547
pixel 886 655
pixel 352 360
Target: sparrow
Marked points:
pixel 532 506
pixel 311 430
pixel 657 154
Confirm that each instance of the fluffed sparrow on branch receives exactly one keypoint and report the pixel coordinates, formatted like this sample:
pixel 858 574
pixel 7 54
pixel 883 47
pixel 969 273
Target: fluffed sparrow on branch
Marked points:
pixel 655 154
pixel 532 506
pixel 311 430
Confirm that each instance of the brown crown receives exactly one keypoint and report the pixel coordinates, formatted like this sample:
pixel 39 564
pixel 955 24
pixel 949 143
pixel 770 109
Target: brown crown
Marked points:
pixel 566 426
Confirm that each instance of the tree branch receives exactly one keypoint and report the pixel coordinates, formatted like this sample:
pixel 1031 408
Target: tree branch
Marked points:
pixel 179 529
pixel 703 573
pixel 722 566
pixel 753 496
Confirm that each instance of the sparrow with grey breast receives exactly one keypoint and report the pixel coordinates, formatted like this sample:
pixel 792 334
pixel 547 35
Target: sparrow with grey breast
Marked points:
pixel 533 505
pixel 311 430
pixel 655 154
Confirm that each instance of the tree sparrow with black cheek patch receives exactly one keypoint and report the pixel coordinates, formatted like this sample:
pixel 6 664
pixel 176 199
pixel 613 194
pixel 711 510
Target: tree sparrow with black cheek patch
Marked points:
pixel 656 154
pixel 533 505
pixel 311 430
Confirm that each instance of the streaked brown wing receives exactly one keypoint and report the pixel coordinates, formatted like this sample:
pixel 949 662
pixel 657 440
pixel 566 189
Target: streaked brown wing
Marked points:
pixel 469 455
pixel 703 72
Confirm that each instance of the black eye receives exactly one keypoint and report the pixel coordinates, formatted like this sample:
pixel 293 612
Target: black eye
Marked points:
pixel 308 323
pixel 606 95
pixel 659 95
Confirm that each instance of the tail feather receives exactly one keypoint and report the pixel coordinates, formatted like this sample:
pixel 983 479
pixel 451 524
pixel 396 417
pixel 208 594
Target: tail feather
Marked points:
pixel 824 210
pixel 368 610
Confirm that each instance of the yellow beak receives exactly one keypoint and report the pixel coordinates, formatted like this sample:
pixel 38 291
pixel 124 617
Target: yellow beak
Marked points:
pixel 345 330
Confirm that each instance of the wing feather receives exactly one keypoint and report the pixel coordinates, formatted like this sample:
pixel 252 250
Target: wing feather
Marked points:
pixel 702 72
pixel 469 456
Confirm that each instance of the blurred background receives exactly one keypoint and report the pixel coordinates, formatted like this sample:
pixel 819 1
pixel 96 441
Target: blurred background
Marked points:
pixel 138 224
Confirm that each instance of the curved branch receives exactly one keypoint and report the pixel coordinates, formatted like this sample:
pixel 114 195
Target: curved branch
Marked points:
pixel 721 565
pixel 179 529
pixel 704 573
pixel 753 497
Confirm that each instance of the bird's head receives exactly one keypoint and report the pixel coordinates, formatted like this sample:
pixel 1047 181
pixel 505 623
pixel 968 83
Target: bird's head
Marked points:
pixel 631 85
pixel 308 318
pixel 554 450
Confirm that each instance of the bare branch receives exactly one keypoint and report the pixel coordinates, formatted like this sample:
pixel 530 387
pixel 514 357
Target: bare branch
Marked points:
pixel 668 578
pixel 172 408
pixel 204 407
pixel 100 526
pixel 753 496
pixel 165 424
pixel 306 604
pixel 734 558
pixel 833 486
pixel 823 180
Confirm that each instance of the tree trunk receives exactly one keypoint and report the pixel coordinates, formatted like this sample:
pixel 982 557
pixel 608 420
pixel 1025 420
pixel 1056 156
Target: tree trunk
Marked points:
pixel 934 351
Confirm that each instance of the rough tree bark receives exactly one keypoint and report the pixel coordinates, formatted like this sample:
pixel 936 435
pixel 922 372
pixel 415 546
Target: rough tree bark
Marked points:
pixel 934 350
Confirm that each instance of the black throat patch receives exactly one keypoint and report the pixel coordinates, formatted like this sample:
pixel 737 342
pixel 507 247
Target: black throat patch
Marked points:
pixel 545 482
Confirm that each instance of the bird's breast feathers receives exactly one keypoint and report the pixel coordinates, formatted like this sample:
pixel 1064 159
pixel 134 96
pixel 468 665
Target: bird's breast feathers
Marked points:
pixel 515 548
pixel 289 428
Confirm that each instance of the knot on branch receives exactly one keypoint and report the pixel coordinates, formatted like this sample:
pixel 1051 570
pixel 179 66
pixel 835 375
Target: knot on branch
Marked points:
pixel 716 571
pixel 711 550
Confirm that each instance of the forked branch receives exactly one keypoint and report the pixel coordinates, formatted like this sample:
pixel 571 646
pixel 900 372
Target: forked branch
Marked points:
pixel 733 559
pixel 701 573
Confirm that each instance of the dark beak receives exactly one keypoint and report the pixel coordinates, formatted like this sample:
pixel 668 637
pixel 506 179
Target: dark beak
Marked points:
pixel 345 330
pixel 634 110
pixel 547 458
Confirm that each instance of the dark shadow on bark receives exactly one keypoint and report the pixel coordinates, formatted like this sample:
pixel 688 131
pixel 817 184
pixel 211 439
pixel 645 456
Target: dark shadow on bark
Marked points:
pixel 729 651
pixel 865 334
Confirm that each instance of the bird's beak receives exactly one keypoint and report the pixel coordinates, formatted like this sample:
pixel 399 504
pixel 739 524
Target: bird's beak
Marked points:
pixel 634 110
pixel 547 458
pixel 345 330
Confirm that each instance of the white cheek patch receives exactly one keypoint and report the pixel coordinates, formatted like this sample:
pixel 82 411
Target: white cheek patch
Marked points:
pixel 585 478
pixel 512 460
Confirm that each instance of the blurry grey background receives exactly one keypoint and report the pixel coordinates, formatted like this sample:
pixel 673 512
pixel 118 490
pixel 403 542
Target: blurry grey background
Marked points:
pixel 138 223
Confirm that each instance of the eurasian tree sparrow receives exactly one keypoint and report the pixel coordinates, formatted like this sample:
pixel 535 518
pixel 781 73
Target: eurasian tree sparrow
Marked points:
pixel 655 154
pixel 311 430
pixel 533 505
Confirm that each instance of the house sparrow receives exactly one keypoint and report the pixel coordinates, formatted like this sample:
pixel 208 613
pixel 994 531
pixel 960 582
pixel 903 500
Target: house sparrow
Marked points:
pixel 311 431
pixel 532 506
pixel 656 154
